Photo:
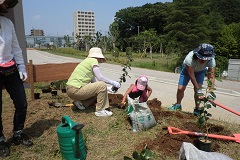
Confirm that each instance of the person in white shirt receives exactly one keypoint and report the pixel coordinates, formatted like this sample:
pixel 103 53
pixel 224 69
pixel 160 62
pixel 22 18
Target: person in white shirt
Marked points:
pixel 86 84
pixel 12 75
pixel 194 68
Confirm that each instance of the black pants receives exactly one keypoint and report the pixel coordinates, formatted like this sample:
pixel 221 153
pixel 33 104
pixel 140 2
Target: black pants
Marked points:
pixel 10 79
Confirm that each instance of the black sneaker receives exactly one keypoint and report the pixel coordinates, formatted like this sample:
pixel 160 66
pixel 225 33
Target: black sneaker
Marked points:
pixel 22 139
pixel 195 112
pixel 4 150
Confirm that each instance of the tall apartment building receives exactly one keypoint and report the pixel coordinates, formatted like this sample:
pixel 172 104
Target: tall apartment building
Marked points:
pixel 84 24
pixel 37 32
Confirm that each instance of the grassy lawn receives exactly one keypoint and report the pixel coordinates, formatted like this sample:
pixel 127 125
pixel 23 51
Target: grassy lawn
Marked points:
pixel 107 138
pixel 158 62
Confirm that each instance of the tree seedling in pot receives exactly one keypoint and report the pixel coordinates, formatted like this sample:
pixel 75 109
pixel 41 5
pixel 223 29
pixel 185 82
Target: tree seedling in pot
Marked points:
pixel 122 78
pixel 206 102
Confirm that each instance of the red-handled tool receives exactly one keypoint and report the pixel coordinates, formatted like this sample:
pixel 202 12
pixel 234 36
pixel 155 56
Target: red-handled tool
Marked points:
pixel 173 130
pixel 228 109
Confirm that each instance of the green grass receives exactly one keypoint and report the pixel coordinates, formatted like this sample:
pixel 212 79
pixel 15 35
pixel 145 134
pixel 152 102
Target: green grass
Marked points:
pixel 158 62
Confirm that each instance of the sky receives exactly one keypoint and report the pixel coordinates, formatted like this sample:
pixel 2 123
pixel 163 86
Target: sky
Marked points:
pixel 55 17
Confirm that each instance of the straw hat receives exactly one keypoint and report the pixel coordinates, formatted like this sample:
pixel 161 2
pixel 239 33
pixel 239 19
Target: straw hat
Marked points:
pixel 96 52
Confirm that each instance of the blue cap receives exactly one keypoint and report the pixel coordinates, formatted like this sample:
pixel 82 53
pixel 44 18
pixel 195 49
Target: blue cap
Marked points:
pixel 204 51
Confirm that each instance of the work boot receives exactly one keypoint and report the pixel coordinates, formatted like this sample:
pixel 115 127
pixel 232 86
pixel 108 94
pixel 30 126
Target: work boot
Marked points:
pixel 195 112
pixel 22 139
pixel 4 150
pixel 175 107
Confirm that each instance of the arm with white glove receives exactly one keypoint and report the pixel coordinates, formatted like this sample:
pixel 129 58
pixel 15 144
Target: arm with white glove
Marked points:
pixel 18 57
pixel 22 72
pixel 100 77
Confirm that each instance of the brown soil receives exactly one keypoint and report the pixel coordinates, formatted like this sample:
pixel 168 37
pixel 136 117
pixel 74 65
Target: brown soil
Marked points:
pixel 43 118
pixel 170 144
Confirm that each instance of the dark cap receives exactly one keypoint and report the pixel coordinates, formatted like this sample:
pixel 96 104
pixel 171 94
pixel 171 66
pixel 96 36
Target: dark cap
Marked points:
pixel 204 51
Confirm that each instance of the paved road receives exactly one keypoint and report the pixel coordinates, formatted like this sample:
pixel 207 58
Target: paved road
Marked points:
pixel 164 85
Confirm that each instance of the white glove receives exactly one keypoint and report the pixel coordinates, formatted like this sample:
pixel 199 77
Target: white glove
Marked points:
pixel 116 84
pixel 22 72
pixel 23 76
pixel 109 89
pixel 199 93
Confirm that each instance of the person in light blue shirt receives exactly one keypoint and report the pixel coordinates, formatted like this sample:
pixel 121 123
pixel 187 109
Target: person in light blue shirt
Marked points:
pixel 194 68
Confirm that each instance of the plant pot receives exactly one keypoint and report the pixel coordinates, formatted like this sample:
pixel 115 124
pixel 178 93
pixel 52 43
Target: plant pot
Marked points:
pixel 46 90
pixel 54 92
pixel 203 144
pixel 64 90
pixel 36 95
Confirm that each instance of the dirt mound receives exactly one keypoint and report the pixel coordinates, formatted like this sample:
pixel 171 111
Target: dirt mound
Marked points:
pixel 166 143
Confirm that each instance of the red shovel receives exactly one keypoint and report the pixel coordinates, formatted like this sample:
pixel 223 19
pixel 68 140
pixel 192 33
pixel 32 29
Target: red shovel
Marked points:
pixel 228 109
pixel 173 130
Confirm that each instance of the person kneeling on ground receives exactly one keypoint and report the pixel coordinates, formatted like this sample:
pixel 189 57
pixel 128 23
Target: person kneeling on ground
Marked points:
pixel 86 84
pixel 194 68
pixel 139 89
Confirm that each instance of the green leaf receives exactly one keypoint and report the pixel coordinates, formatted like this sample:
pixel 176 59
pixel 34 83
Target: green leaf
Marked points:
pixel 209 115
pixel 201 121
pixel 135 155
pixel 124 79
pixel 148 154
pixel 126 158
pixel 141 157
pixel 209 83
pixel 208 106
pixel 213 104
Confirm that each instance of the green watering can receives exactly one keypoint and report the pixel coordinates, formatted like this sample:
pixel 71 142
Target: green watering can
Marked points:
pixel 70 140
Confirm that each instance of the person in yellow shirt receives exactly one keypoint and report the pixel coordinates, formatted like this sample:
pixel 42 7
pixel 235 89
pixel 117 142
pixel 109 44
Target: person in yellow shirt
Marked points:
pixel 86 84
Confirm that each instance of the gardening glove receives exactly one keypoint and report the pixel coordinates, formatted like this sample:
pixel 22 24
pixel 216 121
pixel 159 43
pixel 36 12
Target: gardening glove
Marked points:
pixel 199 93
pixel 22 72
pixel 116 84
pixel 122 105
pixel 109 89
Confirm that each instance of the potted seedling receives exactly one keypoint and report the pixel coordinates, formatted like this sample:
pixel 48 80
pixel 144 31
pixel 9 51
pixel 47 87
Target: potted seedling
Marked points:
pixel 63 87
pixel 206 102
pixel 37 92
pixel 122 78
pixel 53 89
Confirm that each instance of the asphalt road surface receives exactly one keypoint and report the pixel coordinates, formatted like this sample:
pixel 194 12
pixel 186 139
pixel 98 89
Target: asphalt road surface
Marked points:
pixel 164 85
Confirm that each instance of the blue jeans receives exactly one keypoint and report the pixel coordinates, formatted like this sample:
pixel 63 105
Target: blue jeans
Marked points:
pixel 184 77
pixel 14 86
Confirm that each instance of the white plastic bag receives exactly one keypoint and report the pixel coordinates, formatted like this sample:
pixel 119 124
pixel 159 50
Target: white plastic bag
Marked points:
pixel 140 115
pixel 189 152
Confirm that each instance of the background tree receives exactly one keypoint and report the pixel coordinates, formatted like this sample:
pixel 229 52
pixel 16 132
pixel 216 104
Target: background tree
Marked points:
pixel 87 39
pixel 227 44
pixel 113 33
pixel 67 40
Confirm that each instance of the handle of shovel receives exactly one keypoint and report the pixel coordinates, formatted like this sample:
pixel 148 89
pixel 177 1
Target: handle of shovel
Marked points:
pixel 228 109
